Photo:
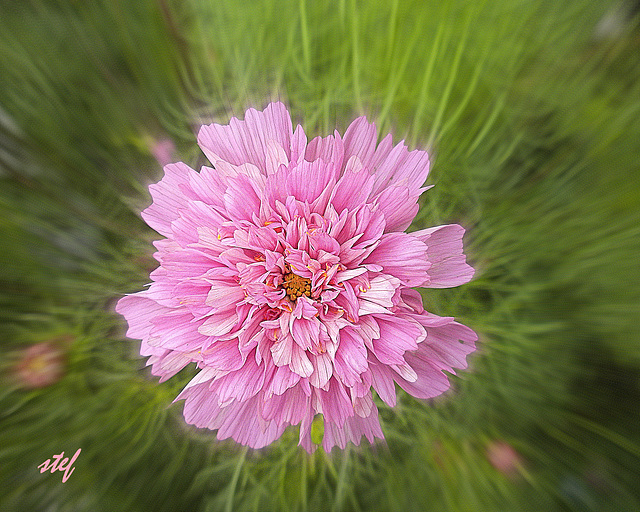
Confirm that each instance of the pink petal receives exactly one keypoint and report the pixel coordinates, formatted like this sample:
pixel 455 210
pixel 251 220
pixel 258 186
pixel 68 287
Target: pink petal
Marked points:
pixel 322 370
pixel 382 382
pixel 351 357
pixel 378 297
pixel 201 407
pixel 398 206
pixel 276 156
pixel 298 145
pixel 307 182
pixel 223 355
pixel 305 309
pixel 401 256
pixel 300 362
pixel 162 290
pixel 191 218
pixel 305 333
pixel 241 200
pixel 352 190
pixel 219 324
pixel 335 404
pixel 240 420
pixel 283 379
pixel 441 350
pixel 247 141
pixel 329 149
pixel 176 330
pixel 291 407
pixel 139 312
pixel 240 385
pixel 192 294
pixel 397 336
pixel 282 350
pixel 400 167
pixel 186 263
pixel 352 430
pixel 448 342
pixel 431 381
pixel 448 263
pixel 168 197
pixel 223 295
pixel 360 139
pixel 209 186
pixel 362 405
pixel 165 363
pixel 245 425
pixel 413 299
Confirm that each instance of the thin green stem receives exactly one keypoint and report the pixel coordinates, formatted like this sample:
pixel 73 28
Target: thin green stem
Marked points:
pixel 234 480
pixel 355 60
pixel 304 33
pixel 444 99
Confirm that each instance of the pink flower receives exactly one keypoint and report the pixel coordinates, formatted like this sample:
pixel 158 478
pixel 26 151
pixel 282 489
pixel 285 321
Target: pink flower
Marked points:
pixel 162 150
pixel 504 458
pixel 285 275
pixel 40 365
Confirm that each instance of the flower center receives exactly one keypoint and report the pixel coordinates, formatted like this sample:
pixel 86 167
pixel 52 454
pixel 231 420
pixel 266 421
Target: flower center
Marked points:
pixel 296 286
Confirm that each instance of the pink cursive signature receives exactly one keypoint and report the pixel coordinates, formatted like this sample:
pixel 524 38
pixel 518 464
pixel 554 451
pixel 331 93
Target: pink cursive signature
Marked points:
pixel 57 465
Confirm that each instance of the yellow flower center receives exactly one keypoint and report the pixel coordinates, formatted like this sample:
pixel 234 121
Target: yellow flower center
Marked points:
pixel 296 286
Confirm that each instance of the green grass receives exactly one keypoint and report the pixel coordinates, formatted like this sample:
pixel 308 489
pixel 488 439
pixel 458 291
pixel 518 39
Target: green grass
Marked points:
pixel 533 124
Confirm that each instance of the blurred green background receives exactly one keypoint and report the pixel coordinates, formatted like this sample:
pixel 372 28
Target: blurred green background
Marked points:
pixel 531 111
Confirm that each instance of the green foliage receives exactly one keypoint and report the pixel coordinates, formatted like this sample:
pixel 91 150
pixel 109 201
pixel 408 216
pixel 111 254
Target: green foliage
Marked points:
pixel 531 113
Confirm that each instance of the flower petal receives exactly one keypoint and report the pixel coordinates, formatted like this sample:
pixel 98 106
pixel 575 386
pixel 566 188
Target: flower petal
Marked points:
pixel 176 330
pixel 399 207
pixel 307 182
pixel 401 256
pixel 440 351
pixel 352 190
pixel 397 336
pixel 289 407
pixel 400 167
pixel 247 141
pixel 329 149
pixel 444 250
pixel 352 430
pixel 139 311
pixel 334 403
pixel 165 363
pixel 351 357
pixel 240 385
pixel 378 297
pixel 322 370
pixel 219 324
pixel 360 139
pixel 168 197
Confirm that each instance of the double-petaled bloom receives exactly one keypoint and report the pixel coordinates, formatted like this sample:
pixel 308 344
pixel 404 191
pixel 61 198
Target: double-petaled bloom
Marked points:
pixel 287 277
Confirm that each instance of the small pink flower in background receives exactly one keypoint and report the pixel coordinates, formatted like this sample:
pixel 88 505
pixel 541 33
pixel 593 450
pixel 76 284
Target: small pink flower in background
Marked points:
pixel 40 366
pixel 504 458
pixel 163 150
pixel 286 276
